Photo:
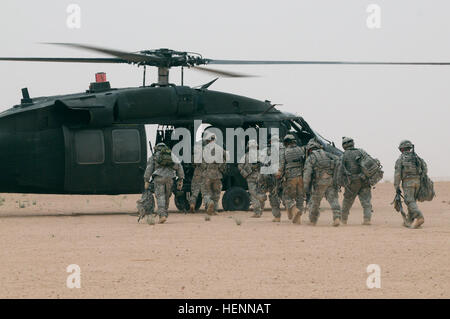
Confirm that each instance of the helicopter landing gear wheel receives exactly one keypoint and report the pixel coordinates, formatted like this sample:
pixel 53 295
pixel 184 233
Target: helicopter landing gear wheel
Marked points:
pixel 182 203
pixel 236 198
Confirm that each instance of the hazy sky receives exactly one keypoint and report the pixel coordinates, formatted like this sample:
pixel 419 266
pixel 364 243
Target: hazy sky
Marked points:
pixel 376 105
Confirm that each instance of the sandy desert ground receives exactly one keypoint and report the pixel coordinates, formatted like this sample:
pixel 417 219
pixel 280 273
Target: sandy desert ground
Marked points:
pixel 189 257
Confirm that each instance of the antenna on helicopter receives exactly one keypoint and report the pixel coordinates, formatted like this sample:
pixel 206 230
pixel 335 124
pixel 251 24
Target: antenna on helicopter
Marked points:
pixel 143 78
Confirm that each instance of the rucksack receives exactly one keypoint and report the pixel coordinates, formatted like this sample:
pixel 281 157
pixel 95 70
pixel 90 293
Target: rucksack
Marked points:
pixel 164 157
pixel 426 188
pixel 371 168
pixel 341 177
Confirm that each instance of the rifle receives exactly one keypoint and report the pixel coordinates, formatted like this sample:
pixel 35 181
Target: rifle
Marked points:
pixel 151 148
pixel 399 207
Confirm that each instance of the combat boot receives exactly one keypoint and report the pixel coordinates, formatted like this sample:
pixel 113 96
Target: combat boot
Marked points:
pixel 290 212
pixel 336 222
pixel 366 222
pixel 297 218
pixel 276 219
pixel 162 219
pixel 344 221
pixel 417 222
pixel 256 215
pixel 210 209
pixel 263 204
pixel 192 208
pixel 312 221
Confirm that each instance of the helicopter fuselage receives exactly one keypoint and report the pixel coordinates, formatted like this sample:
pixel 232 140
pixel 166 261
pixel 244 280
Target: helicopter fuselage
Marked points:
pixel 95 142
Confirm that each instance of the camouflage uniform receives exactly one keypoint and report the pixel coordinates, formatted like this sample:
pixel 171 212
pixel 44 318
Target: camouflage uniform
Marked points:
pixel 268 183
pixel 408 169
pixel 196 184
pixel 163 180
pixel 291 170
pixel 319 171
pixel 358 183
pixel 251 171
pixel 197 177
pixel 212 185
pixel 146 204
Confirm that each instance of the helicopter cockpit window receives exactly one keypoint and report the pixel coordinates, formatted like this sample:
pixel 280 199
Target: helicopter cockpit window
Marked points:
pixel 126 146
pixel 89 147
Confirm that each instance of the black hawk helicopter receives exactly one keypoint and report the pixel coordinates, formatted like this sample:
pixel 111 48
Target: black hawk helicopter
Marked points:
pixel 94 142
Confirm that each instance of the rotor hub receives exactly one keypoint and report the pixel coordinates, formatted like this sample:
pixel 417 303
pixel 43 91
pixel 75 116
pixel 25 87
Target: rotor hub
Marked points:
pixel 168 58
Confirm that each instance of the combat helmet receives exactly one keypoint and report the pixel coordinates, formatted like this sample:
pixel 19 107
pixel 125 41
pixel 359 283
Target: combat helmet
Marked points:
pixel 404 145
pixel 159 146
pixel 347 142
pixel 312 145
pixel 289 138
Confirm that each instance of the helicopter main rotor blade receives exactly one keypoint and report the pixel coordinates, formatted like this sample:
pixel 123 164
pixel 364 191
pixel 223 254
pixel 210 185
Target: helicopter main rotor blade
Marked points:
pixel 127 56
pixel 76 60
pixel 261 62
pixel 227 74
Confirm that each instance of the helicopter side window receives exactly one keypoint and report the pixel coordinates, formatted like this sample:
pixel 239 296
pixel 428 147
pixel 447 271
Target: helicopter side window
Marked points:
pixel 126 146
pixel 89 147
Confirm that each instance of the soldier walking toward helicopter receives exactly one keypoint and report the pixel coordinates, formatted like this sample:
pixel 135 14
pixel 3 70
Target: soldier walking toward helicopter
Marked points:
pixel 291 173
pixel 358 183
pixel 319 176
pixel 409 168
pixel 163 170
pixel 250 170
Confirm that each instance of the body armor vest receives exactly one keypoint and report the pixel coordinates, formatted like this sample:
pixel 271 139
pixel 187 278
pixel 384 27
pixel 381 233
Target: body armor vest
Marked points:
pixel 411 166
pixel 323 162
pixel 350 160
pixel 294 157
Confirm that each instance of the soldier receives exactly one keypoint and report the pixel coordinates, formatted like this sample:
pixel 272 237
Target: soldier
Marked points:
pixel 319 173
pixel 250 170
pixel 267 182
pixel 408 169
pixel 196 182
pixel 290 171
pixel 358 183
pixel 163 170
pixel 212 185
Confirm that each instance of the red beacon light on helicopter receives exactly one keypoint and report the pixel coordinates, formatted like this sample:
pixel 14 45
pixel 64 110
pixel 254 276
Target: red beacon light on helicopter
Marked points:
pixel 100 77
pixel 100 83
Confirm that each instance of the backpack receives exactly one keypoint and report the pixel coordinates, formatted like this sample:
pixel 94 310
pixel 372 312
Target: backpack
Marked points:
pixel 426 188
pixel 371 168
pixel 165 157
pixel 341 177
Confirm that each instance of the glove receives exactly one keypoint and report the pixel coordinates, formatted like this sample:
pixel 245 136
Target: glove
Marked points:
pixel 180 184
pixel 146 185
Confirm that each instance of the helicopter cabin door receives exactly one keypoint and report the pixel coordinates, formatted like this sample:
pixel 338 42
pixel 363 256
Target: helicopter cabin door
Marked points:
pixel 107 160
